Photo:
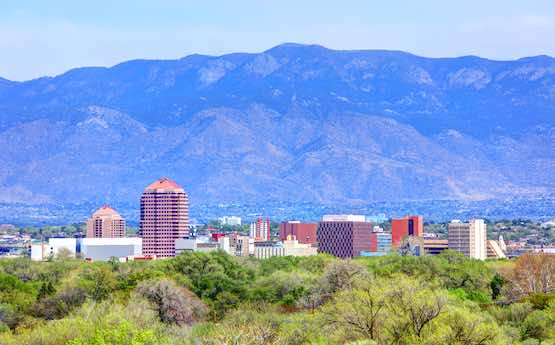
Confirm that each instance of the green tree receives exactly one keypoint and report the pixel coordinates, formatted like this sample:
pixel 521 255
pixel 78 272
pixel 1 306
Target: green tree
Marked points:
pixel 99 281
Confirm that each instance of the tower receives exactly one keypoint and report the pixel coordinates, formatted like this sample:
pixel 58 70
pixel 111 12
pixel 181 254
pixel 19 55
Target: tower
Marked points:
pixel 469 238
pixel 106 222
pixel 164 217
pixel 407 226
pixel 260 229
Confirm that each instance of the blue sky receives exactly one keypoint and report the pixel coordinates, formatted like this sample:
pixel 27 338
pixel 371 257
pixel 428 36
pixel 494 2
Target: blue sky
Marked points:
pixel 40 37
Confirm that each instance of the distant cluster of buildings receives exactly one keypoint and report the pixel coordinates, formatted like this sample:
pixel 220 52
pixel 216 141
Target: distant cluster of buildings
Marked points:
pixel 164 232
pixel 347 236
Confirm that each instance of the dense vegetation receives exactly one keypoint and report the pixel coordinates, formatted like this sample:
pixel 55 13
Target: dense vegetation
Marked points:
pixel 213 298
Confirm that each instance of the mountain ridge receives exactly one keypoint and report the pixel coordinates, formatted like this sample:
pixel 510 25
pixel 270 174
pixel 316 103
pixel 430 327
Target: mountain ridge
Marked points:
pixel 347 126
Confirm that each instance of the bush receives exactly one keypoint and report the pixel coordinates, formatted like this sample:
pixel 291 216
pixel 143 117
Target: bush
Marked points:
pixel 174 304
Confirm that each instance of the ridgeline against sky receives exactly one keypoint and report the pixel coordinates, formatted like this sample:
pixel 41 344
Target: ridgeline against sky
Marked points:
pixel 347 126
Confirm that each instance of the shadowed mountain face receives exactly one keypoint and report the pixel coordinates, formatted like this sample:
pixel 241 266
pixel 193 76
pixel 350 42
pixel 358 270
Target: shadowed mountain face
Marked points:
pixel 296 123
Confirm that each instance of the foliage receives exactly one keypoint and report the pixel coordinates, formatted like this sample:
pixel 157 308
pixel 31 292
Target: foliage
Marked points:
pixel 532 273
pixel 174 304
pixel 213 298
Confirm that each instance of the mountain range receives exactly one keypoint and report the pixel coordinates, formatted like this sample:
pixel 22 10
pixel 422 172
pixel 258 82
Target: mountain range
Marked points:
pixel 293 123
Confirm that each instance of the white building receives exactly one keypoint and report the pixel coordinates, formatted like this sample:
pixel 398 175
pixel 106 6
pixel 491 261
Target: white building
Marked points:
pixel 469 238
pixel 343 218
pixel 202 244
pixel 103 249
pixel 51 249
pixel 230 220
pixel 94 249
pixel 266 252
pixel 502 244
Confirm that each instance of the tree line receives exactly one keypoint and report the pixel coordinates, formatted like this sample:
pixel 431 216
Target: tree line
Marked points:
pixel 214 298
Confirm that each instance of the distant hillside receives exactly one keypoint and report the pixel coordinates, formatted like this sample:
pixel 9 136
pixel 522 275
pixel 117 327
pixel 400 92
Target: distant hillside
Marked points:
pixel 296 122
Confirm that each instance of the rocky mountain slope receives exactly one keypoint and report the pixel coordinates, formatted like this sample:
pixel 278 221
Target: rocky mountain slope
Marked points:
pixel 296 122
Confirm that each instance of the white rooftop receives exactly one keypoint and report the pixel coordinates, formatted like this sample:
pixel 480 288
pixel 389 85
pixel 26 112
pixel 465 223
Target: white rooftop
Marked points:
pixel 343 218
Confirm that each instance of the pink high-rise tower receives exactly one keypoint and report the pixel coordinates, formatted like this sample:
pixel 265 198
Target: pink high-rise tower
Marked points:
pixel 164 217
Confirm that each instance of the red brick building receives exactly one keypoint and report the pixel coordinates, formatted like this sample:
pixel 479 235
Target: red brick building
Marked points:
pixel 303 232
pixel 407 226
pixel 164 217
pixel 344 238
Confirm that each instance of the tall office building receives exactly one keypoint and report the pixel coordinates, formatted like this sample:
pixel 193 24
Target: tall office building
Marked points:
pixel 164 217
pixel 106 222
pixel 468 238
pixel 407 226
pixel 302 232
pixel 260 229
pixel 344 236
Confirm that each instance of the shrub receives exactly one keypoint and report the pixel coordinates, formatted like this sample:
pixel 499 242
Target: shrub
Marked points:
pixel 174 304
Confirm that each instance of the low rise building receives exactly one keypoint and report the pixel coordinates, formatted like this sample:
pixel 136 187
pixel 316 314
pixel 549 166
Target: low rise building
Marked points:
pixel 53 248
pixel 103 249
pixel 380 241
pixel 434 246
pixel 288 247
pixel 303 232
pixel 203 244
pixel 343 218
pixel 230 220
pixel 241 245
pixel 494 250
pixel 93 249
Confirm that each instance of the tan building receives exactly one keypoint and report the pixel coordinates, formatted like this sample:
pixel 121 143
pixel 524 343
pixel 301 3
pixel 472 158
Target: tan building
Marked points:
pixel 289 247
pixel 164 217
pixel 106 222
pixel 435 246
pixel 468 238
pixel 241 245
pixel 494 250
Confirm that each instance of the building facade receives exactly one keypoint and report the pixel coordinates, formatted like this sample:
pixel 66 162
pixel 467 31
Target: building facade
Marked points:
pixel 102 249
pixel 494 250
pixel 241 245
pixel 260 229
pixel 302 232
pixel 203 244
pixel 89 248
pixel 164 217
pixel 230 220
pixel 407 226
pixel 380 241
pixel 344 238
pixel 434 246
pixel 106 222
pixel 468 238
pixel 53 247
